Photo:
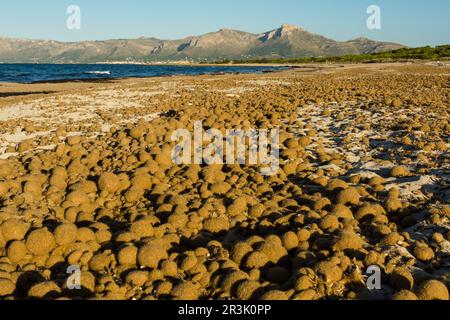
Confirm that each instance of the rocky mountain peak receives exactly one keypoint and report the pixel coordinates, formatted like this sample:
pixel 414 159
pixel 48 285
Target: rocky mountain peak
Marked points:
pixel 290 27
pixel 285 31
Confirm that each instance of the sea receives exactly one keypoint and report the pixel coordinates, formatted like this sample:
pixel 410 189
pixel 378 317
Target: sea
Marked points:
pixel 36 73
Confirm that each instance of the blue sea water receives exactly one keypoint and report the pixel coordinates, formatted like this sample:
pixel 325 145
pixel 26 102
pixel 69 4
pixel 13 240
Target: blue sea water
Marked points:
pixel 31 73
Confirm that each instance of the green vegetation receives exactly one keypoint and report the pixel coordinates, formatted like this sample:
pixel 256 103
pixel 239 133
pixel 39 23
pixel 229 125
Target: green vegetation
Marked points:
pixel 423 53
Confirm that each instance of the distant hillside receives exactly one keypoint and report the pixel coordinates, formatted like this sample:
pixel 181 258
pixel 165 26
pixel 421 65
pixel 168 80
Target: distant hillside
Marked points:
pixel 422 53
pixel 285 42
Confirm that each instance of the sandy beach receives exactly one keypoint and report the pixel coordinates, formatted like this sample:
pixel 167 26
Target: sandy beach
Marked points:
pixel 87 179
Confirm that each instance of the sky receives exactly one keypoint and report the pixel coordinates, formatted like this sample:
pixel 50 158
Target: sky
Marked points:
pixel 410 22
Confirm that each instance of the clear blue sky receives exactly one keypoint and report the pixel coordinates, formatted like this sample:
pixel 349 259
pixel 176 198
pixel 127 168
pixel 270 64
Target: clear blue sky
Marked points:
pixel 411 22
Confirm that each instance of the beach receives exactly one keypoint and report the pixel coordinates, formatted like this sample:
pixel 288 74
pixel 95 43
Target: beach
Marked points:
pixel 87 180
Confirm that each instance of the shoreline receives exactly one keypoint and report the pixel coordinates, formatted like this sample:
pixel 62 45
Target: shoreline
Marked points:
pixel 12 92
pixel 287 67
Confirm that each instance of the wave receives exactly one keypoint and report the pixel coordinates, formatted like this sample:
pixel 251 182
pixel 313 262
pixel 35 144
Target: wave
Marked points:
pixel 98 72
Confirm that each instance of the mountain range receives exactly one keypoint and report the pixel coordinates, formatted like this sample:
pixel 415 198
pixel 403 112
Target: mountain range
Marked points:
pixel 288 41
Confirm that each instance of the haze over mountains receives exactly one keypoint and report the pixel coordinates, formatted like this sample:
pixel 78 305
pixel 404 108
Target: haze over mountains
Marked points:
pixel 288 41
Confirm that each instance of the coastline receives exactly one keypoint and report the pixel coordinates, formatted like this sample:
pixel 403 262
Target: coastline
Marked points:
pixel 61 73
pixel 12 92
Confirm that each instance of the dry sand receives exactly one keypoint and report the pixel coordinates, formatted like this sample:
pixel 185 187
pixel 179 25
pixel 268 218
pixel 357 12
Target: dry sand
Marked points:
pixel 86 179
